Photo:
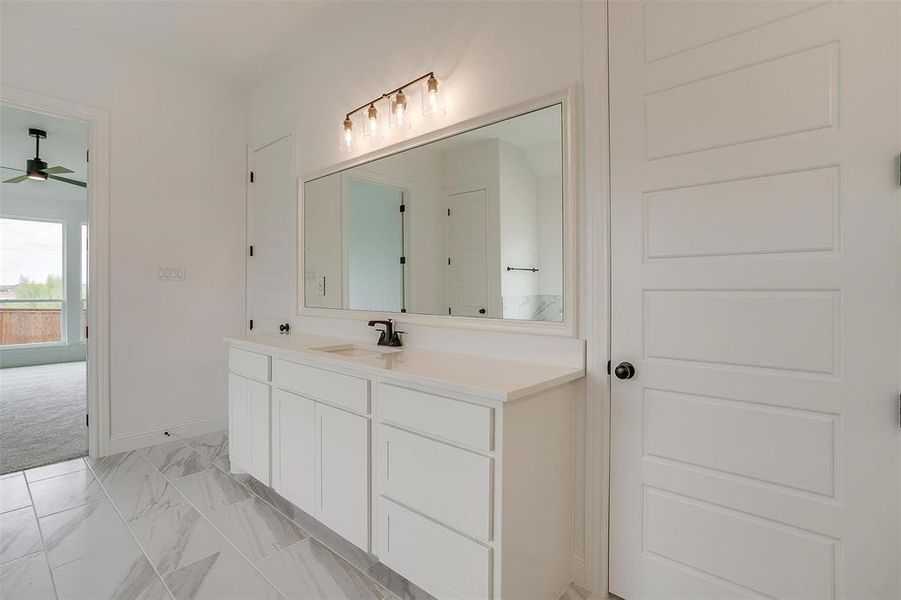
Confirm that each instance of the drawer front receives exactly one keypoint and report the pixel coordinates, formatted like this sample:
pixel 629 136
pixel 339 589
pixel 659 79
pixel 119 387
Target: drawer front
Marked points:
pixel 441 481
pixel 345 391
pixel 443 563
pixel 467 424
pixel 249 364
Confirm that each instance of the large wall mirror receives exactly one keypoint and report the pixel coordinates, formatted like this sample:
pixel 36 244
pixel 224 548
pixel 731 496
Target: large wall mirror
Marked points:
pixel 469 225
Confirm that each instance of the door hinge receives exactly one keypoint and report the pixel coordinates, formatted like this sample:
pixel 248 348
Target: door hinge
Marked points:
pixel 87 155
pixel 448 310
pixel 251 177
pixel 251 324
pixel 251 249
pixel 608 367
pixel 403 208
pixel 448 212
pixel 899 411
pixel 403 260
pixel 86 328
pixel 448 261
pixel 87 420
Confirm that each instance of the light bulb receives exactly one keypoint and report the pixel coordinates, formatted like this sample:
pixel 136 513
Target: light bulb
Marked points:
pixel 432 98
pixel 347 140
pixel 373 120
pixel 399 111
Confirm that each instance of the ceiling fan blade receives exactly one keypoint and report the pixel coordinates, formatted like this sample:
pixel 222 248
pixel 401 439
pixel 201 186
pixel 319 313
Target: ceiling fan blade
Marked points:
pixel 12 169
pixel 67 180
pixel 56 170
pixel 18 179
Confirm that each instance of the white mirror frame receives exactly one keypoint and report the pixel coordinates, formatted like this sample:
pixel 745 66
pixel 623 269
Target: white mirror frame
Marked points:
pixel 569 325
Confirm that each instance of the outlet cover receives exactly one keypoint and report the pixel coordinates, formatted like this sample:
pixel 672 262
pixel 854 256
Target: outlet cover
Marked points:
pixel 170 273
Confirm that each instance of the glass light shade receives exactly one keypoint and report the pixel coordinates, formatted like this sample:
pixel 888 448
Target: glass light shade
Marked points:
pixel 432 98
pixel 399 118
pixel 348 133
pixel 374 122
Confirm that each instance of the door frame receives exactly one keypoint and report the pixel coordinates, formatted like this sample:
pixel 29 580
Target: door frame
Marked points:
pixel 98 341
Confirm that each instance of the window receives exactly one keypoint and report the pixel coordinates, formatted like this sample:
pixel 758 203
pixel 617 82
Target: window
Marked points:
pixel 31 282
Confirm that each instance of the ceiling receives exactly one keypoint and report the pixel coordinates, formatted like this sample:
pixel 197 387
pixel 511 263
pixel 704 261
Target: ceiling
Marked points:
pixel 66 144
pixel 240 40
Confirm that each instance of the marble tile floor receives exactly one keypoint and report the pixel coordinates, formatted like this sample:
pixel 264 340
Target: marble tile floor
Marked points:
pixel 170 521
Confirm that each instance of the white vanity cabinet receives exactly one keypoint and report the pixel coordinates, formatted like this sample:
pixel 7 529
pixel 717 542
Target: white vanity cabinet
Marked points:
pixel 249 412
pixel 320 445
pixel 462 482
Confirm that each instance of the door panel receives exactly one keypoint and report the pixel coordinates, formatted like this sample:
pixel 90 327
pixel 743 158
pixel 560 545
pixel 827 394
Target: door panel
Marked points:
pixel 296 462
pixel 271 227
pixel 342 469
pixel 238 421
pixel 260 419
pixel 754 286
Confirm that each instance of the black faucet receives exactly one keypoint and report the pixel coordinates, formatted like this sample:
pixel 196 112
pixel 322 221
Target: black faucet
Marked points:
pixel 388 337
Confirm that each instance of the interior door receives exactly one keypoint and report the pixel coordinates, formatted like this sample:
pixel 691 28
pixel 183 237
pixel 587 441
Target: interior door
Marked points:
pixel 467 251
pixel 271 227
pixel 754 289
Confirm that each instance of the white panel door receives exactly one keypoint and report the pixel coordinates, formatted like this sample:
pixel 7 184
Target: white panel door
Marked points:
pixel 467 251
pixel 271 227
pixel 238 422
pixel 296 449
pixel 260 448
pixel 342 473
pixel 754 289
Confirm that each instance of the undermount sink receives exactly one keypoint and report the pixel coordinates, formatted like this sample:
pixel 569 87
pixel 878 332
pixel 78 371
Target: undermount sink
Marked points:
pixel 356 350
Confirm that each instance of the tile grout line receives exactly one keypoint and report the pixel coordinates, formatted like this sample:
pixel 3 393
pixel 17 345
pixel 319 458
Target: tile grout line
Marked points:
pixel 127 528
pixel 210 523
pixel 41 534
pixel 341 556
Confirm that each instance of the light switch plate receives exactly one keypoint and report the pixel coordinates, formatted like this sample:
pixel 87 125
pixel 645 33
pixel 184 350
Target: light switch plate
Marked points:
pixel 170 273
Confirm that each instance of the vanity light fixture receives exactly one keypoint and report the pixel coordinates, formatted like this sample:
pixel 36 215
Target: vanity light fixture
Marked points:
pixel 371 123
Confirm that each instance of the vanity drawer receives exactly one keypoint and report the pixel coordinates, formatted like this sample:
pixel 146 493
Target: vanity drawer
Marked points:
pixel 466 424
pixel 440 561
pixel 249 364
pixel 345 391
pixel 444 482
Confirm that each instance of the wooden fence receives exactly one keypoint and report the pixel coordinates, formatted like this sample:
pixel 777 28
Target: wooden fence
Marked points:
pixel 30 326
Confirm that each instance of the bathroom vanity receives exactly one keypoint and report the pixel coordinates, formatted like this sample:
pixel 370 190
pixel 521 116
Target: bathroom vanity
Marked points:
pixel 455 470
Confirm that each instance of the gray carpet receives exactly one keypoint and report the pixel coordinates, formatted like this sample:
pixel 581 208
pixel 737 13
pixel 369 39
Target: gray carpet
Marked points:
pixel 42 411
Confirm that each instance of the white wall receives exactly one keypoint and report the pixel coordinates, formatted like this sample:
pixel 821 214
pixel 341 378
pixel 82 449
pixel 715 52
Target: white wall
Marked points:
pixel 489 56
pixel 177 198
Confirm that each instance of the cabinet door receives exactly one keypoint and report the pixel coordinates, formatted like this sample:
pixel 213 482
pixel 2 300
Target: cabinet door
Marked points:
pixel 258 398
pixel 293 472
pixel 238 422
pixel 342 473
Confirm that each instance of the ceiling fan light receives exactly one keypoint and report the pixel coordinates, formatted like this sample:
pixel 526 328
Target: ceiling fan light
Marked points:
pixel 36 175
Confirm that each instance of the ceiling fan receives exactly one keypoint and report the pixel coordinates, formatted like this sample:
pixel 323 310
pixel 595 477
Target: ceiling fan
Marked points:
pixel 36 169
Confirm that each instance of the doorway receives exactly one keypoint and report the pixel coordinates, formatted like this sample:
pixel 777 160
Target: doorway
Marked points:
pixel 43 288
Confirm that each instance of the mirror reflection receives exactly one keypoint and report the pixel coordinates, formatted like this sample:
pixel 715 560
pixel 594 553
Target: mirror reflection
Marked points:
pixel 471 225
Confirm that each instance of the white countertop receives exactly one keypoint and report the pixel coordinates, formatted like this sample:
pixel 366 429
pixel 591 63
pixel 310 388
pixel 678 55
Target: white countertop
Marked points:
pixel 493 378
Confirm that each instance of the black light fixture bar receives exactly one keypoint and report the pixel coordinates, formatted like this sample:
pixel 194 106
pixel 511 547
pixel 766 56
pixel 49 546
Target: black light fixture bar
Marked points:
pixel 388 94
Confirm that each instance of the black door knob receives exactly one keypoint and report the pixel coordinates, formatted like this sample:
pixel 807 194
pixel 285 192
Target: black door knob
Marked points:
pixel 481 311
pixel 624 370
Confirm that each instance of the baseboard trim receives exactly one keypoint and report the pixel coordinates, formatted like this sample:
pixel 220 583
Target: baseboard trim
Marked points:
pixel 149 437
